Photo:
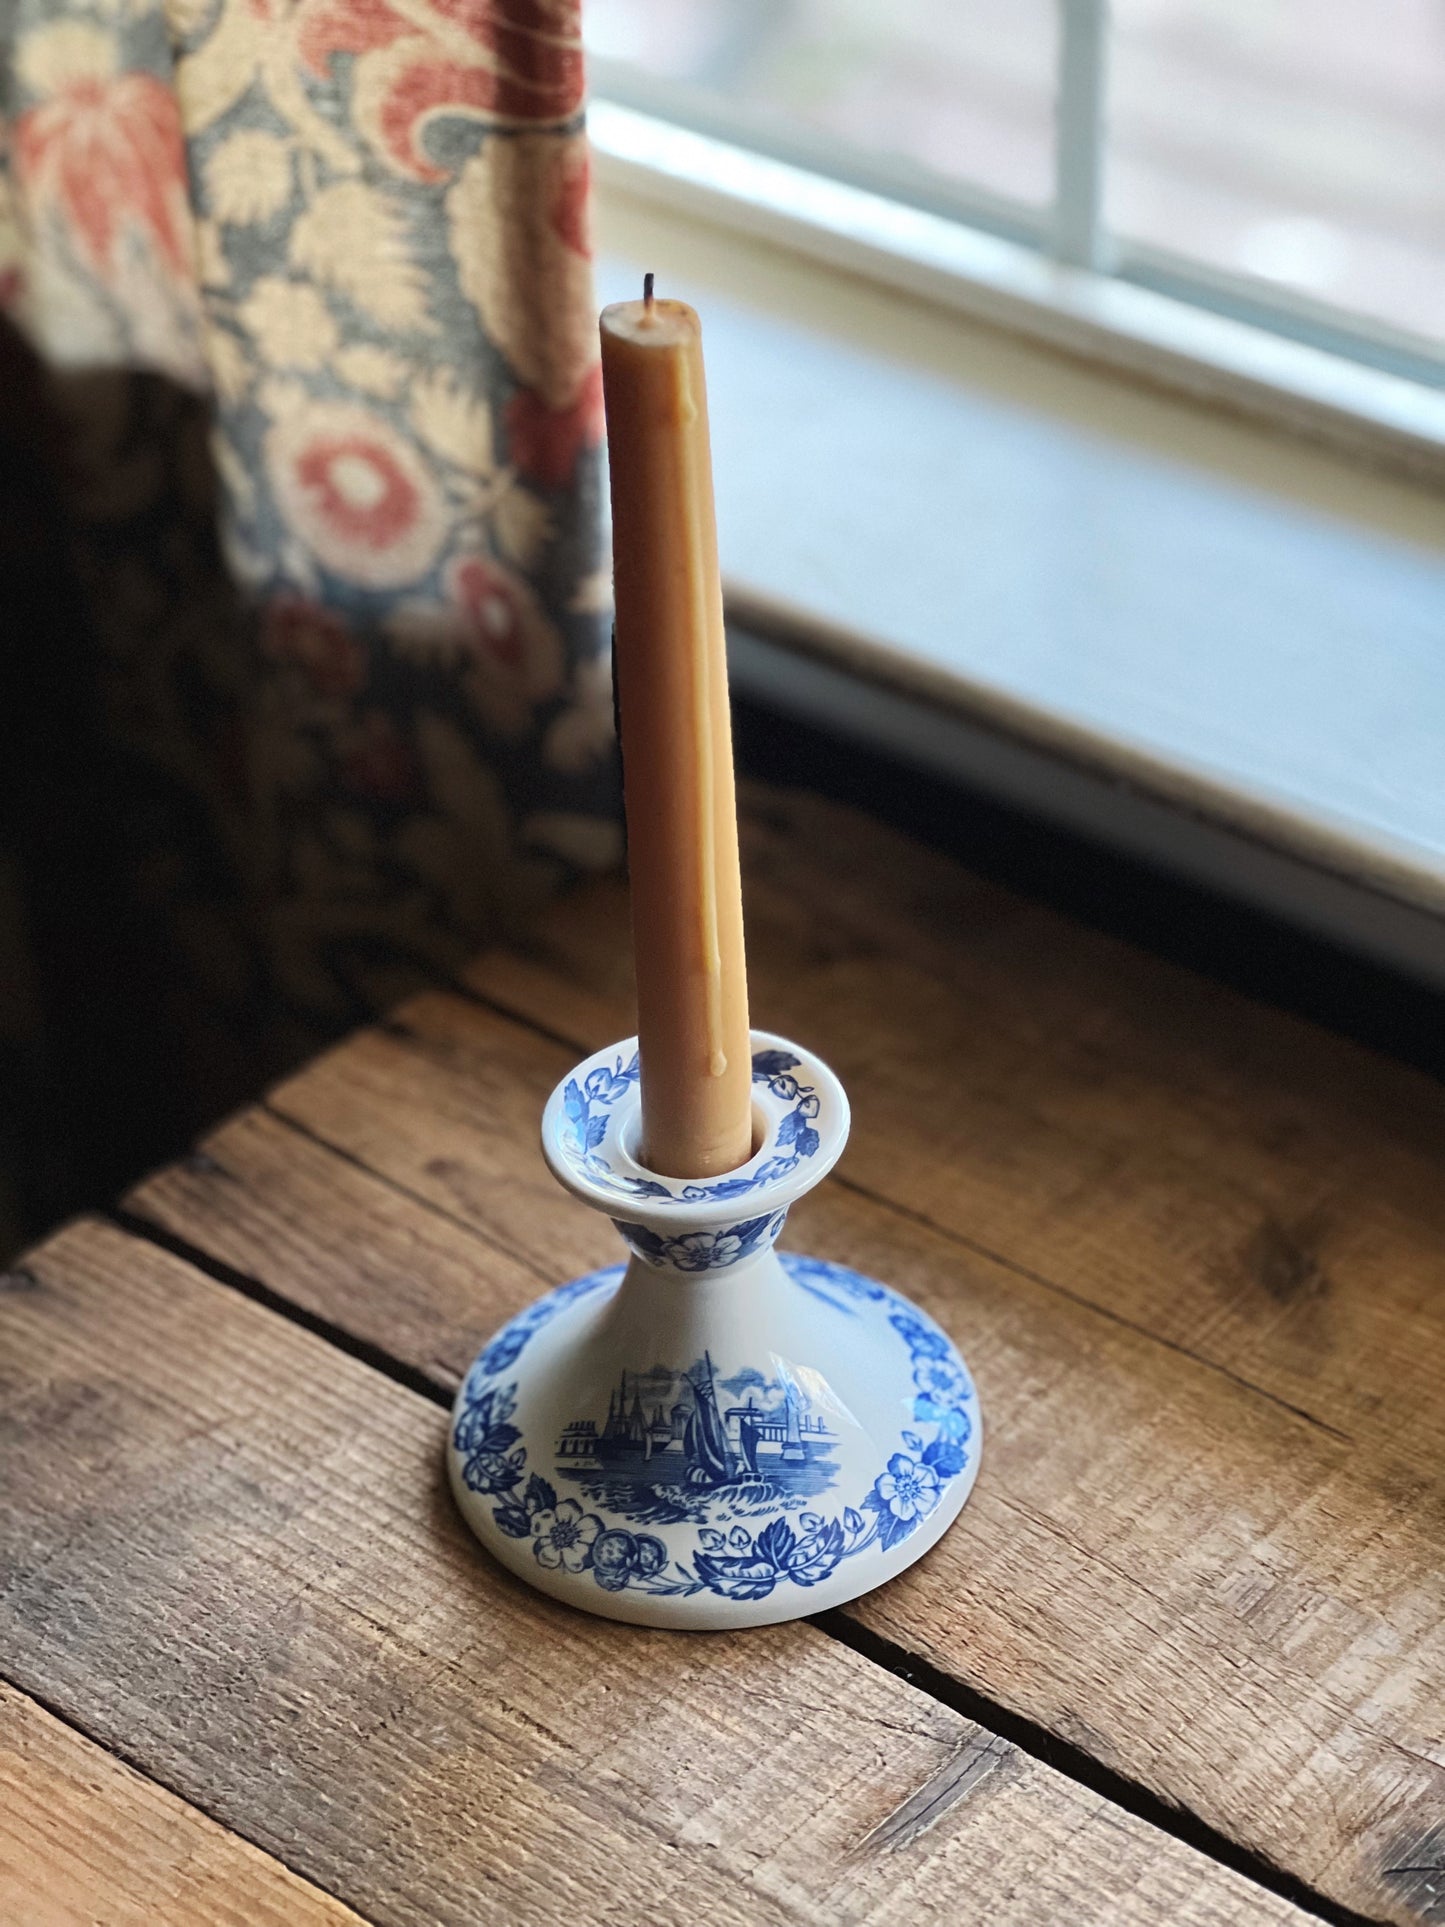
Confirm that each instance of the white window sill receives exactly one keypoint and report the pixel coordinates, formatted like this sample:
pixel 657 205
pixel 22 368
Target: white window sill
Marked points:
pixel 1196 637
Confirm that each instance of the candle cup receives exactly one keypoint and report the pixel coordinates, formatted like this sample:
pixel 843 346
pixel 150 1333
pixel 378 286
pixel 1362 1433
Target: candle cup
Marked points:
pixel 715 1434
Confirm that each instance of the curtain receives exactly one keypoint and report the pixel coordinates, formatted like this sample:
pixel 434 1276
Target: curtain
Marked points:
pixel 302 567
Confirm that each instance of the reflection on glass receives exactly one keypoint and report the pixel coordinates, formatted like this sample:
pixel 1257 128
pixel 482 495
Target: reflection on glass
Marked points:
pixel 1302 141
pixel 1299 141
pixel 962 89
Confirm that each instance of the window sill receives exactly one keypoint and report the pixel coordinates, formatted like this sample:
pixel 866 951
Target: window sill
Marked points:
pixel 1186 634
pixel 1387 408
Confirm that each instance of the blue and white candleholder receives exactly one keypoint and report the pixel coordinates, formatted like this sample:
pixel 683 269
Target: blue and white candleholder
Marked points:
pixel 717 1434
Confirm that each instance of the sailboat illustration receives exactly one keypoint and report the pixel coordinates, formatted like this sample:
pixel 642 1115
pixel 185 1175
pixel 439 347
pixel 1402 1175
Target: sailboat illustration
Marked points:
pixel 668 1449
pixel 708 1460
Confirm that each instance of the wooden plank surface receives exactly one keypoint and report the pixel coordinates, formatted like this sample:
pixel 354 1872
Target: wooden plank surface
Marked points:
pixel 1238 1182
pixel 87 1842
pixel 230 1547
pixel 1204 1589
pixel 1206 1545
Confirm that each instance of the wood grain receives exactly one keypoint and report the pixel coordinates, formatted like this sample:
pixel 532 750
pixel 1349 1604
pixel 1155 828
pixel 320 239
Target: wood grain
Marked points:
pixel 87 1842
pixel 1241 1184
pixel 231 1544
pixel 1203 1588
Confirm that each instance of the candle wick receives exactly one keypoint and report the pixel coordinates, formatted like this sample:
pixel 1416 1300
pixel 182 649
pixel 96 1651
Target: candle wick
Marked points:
pixel 647 281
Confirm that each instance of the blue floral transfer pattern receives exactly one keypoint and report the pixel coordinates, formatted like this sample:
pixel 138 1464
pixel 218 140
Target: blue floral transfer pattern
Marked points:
pixel 800 1545
pixel 588 1109
pixel 704 1250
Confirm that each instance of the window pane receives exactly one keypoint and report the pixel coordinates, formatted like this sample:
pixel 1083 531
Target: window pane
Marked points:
pixel 1302 141
pixel 961 88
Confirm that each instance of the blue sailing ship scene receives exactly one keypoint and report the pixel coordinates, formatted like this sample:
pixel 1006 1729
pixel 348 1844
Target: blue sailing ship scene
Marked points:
pixel 677 1445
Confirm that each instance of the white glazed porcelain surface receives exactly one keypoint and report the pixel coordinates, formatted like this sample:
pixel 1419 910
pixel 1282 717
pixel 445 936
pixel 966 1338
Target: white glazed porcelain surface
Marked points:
pixel 592 1127
pixel 716 1435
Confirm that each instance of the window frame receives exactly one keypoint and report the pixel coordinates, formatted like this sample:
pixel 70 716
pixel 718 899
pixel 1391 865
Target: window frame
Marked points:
pixel 1054 274
pixel 1359 451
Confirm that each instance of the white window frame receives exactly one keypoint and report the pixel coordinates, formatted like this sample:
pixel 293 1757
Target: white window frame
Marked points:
pixel 1062 279
pixel 683 188
pixel 1326 395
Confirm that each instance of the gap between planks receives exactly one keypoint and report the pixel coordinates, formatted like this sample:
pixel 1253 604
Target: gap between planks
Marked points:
pixel 1232 1607
pixel 1027 1735
pixel 464 1060
pixel 82 1823
pixel 193 1355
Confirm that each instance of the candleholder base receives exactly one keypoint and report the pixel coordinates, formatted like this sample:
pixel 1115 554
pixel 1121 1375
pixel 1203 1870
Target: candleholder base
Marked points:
pixel 714 1435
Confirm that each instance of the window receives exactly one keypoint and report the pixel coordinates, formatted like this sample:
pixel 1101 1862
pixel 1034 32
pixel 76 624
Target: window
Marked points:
pixel 1280 161
pixel 1195 612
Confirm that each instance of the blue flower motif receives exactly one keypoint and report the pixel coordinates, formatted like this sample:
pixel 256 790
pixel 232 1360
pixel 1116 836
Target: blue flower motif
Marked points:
pixel 737 1564
pixel 940 1379
pixel 564 1536
pixel 908 1488
pixel 902 1497
pixel 586 1106
pixel 703 1250
pixel 504 1350
pixel 942 1388
pixel 482 1423
pixel 923 1341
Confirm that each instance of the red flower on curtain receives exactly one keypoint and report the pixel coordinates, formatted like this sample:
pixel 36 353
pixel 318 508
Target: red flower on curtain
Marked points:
pixel 517 61
pixel 499 616
pixel 516 656
pixel 356 493
pixel 104 147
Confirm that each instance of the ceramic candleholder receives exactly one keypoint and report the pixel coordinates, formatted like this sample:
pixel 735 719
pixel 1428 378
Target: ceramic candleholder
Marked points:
pixel 716 1434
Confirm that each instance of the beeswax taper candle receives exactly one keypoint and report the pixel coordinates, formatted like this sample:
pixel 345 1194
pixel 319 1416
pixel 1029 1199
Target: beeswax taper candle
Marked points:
pixel 687 919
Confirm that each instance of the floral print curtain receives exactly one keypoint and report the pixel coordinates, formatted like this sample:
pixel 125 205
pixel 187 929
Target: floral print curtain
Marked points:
pixel 302 568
